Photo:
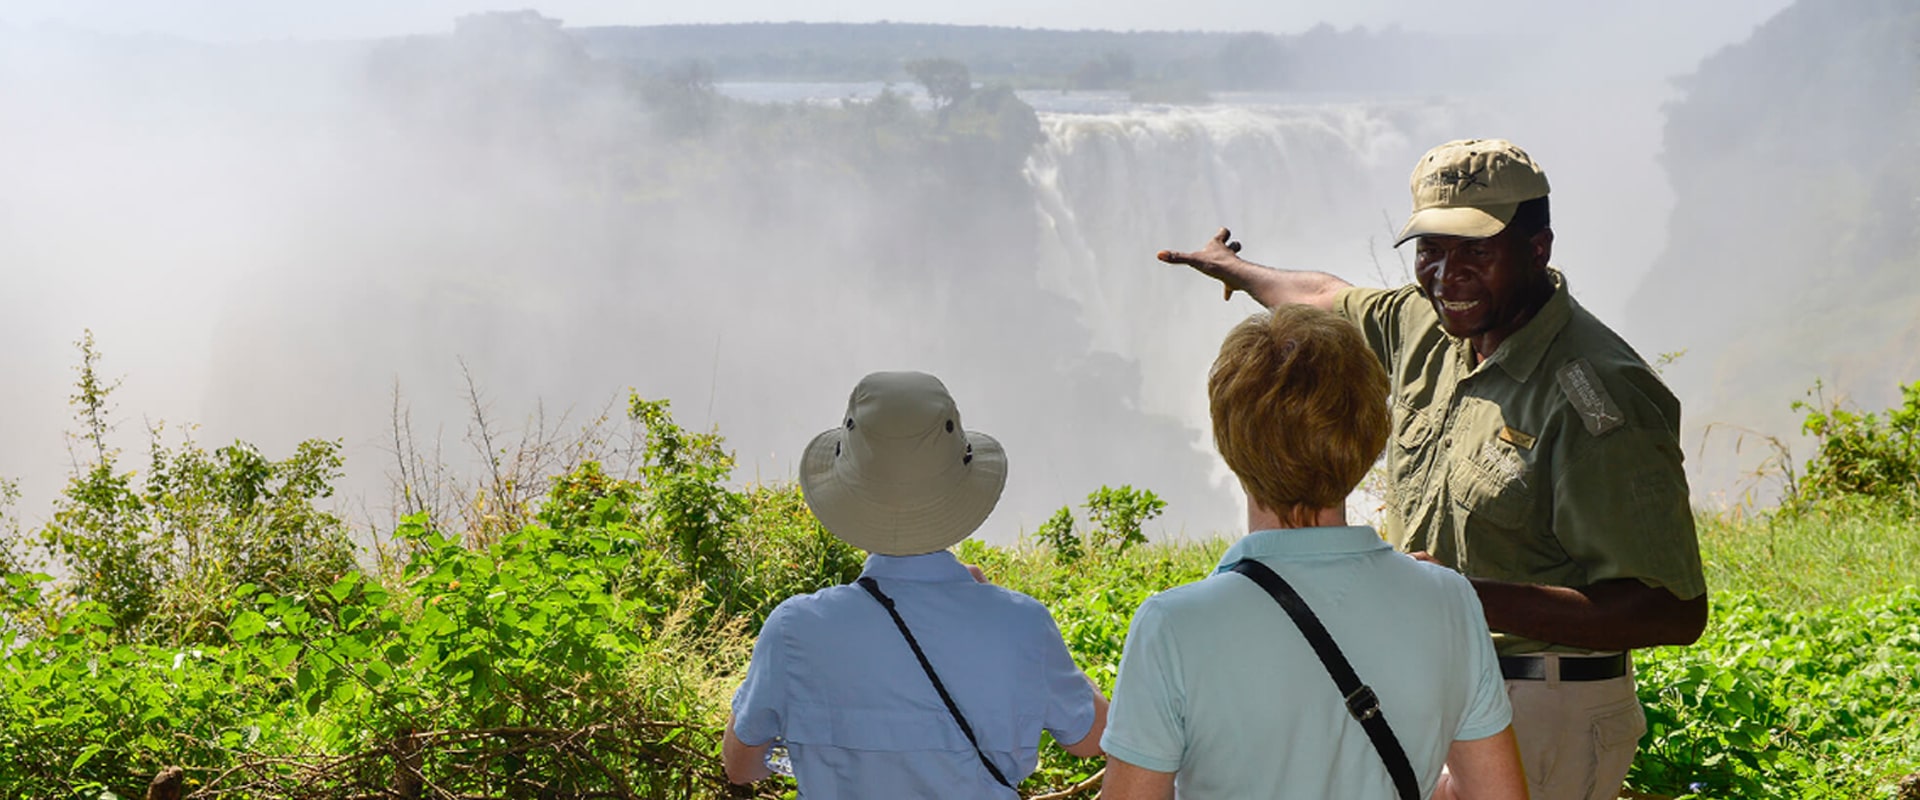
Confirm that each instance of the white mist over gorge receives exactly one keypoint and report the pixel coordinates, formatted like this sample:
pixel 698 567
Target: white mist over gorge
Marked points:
pixel 267 239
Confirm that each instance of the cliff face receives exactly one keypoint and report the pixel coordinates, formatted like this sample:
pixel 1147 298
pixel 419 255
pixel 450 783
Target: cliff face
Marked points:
pixel 1794 247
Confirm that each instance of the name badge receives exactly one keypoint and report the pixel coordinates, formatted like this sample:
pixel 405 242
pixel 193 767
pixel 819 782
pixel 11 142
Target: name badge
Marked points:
pixel 1516 437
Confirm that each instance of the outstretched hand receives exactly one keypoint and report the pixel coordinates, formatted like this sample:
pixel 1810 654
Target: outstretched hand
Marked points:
pixel 1216 259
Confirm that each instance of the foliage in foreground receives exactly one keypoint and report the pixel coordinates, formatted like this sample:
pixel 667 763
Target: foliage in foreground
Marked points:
pixel 591 651
pixel 1801 704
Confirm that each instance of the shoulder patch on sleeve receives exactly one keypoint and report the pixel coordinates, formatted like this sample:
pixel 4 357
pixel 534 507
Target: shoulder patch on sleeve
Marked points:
pixel 1583 389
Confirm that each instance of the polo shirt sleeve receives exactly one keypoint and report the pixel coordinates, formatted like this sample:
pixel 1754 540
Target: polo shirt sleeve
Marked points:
pixel 1488 711
pixel 1146 722
pixel 1620 510
pixel 760 704
pixel 1069 703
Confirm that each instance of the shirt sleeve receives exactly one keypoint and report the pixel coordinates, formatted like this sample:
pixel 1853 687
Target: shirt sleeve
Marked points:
pixel 760 704
pixel 1146 723
pixel 1620 509
pixel 1377 312
pixel 1069 703
pixel 1488 710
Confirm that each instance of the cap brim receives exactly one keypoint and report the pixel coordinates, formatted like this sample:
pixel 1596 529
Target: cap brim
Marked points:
pixel 1469 222
pixel 902 527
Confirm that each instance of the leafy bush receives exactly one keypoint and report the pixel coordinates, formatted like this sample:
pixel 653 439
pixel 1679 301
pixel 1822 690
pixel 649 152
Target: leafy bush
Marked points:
pixel 591 652
pixel 1057 534
pixel 1795 705
pixel 1863 454
pixel 160 554
pixel 1116 515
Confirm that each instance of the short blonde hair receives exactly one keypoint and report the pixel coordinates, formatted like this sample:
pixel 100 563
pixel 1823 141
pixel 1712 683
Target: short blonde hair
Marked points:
pixel 1299 406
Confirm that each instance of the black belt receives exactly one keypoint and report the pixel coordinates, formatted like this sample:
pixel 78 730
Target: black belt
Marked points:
pixel 1572 668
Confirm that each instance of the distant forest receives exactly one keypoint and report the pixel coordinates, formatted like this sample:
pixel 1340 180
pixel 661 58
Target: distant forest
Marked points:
pixel 1321 59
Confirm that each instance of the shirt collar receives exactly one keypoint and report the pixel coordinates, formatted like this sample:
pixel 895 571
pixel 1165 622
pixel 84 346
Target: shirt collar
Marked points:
pixel 1303 542
pixel 937 567
pixel 1522 352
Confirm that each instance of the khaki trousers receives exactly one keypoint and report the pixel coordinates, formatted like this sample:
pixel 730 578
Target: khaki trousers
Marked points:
pixel 1577 738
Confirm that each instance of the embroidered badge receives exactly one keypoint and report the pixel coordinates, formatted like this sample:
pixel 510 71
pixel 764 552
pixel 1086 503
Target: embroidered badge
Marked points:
pixel 1582 387
pixel 1516 437
pixel 1505 465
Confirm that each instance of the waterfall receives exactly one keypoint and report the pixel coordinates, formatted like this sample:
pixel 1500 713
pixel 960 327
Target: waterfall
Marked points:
pixel 1319 186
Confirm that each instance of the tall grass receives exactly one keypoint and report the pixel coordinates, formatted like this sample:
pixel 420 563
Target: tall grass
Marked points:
pixel 1822 556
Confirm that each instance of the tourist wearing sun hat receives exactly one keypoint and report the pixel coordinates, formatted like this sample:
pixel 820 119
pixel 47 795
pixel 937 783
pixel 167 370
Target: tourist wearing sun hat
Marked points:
pixel 917 680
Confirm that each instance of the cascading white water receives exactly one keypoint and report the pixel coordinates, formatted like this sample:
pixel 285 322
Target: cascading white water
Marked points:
pixel 275 271
pixel 1317 186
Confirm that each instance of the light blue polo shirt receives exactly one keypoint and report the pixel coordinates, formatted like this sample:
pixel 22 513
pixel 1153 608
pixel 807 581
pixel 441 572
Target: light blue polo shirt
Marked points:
pixel 832 676
pixel 1217 685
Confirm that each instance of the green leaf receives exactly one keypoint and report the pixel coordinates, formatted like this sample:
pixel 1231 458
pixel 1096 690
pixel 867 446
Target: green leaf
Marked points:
pixel 283 656
pixel 378 672
pixel 86 754
pixel 246 625
pixel 343 588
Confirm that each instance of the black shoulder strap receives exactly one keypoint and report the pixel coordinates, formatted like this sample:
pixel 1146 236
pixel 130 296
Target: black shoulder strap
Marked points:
pixel 874 589
pixel 1361 702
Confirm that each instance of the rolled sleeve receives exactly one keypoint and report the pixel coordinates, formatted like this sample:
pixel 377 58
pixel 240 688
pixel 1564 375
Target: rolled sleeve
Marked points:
pixel 1146 721
pixel 760 704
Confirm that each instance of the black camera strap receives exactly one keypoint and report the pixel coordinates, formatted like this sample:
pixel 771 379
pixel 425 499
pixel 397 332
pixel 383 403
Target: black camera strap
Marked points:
pixel 887 602
pixel 1361 702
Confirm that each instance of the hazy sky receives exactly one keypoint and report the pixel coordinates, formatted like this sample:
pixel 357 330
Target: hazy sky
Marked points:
pixel 1623 34
pixel 203 212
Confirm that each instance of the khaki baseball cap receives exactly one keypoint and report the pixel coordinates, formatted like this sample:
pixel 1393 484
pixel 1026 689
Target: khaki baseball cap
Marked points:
pixel 1470 188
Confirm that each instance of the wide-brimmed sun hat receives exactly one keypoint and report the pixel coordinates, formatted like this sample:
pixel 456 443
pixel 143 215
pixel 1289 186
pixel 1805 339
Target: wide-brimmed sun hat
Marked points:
pixel 900 476
pixel 1471 188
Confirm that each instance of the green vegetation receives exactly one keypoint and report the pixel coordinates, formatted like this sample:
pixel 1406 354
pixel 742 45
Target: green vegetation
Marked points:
pixel 210 618
pixel 1803 685
pixel 1116 516
pixel 1863 454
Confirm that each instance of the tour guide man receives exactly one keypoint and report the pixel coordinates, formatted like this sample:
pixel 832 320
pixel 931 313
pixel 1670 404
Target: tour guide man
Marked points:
pixel 1532 450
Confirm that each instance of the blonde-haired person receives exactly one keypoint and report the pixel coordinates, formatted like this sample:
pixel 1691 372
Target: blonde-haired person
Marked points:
pixel 1533 450
pixel 1221 693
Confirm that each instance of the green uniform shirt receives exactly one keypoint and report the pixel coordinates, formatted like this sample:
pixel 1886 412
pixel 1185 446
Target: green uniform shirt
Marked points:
pixel 1556 461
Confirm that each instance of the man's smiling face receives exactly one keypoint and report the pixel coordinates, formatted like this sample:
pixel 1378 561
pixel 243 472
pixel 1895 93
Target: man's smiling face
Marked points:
pixel 1484 289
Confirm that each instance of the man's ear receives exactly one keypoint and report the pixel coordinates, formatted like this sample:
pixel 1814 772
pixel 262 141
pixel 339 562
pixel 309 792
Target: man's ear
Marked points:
pixel 1542 246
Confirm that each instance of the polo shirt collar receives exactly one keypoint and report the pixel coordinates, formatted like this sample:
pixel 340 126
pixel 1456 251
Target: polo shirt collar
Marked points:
pixel 1303 543
pixel 939 567
pixel 1522 352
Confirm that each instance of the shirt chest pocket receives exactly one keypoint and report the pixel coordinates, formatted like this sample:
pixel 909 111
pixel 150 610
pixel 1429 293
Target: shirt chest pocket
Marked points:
pixel 1415 428
pixel 1492 484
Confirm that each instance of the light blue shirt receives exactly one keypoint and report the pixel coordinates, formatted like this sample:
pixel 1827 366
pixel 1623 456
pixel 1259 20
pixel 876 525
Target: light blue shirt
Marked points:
pixel 832 676
pixel 1218 686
